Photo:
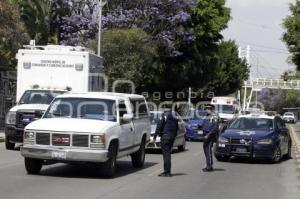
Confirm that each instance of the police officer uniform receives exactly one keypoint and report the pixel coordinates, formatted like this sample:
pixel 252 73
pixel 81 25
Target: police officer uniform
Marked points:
pixel 167 129
pixel 210 132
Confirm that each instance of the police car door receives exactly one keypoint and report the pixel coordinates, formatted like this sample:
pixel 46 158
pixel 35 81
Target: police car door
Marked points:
pixel 126 134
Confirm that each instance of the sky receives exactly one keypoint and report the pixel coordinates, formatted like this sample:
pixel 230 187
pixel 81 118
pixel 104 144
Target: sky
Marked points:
pixel 258 23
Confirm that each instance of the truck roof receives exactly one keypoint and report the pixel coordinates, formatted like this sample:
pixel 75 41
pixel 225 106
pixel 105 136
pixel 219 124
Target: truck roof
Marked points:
pixel 102 95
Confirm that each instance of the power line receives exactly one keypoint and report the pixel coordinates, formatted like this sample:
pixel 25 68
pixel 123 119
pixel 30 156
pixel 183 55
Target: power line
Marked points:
pixel 263 46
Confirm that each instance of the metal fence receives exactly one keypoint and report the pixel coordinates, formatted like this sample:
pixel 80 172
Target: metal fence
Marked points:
pixel 7 93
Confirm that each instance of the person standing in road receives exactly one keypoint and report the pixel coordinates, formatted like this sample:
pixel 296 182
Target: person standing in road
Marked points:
pixel 210 132
pixel 167 129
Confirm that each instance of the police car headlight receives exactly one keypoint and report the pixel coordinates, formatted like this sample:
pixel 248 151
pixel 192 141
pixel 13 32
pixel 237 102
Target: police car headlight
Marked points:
pixel 11 118
pixel 264 141
pixel 223 140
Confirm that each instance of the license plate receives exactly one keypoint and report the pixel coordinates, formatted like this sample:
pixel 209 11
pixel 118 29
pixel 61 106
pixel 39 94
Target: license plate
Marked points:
pixel 200 132
pixel 241 150
pixel 59 155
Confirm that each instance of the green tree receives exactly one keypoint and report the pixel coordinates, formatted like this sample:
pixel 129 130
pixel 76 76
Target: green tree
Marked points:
pixel 292 35
pixel 128 55
pixel 12 34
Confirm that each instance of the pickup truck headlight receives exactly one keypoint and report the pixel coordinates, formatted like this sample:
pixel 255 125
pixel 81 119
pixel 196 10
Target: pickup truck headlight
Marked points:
pixel 11 118
pixel 29 137
pixel 223 140
pixel 265 141
pixel 97 139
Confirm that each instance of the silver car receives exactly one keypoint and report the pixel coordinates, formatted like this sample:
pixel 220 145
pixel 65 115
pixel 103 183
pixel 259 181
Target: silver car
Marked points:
pixel 179 142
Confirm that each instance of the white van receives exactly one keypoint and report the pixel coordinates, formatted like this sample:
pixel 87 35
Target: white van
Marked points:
pixel 226 107
pixel 92 128
pixel 43 73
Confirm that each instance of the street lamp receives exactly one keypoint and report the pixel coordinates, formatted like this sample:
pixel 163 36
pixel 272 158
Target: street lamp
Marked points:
pixel 101 4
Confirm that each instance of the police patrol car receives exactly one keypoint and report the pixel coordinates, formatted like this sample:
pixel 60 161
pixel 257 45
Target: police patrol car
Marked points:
pixel 255 136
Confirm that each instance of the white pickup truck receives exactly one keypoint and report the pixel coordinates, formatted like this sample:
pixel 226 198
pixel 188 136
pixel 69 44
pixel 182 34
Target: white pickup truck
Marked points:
pixel 92 128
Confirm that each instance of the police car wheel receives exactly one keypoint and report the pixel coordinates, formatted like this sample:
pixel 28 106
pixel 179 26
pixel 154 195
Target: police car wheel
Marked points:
pixel 9 145
pixel 33 166
pixel 277 155
pixel 289 153
pixel 222 158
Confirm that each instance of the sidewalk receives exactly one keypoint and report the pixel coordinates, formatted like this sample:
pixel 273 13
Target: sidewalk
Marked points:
pixel 2 137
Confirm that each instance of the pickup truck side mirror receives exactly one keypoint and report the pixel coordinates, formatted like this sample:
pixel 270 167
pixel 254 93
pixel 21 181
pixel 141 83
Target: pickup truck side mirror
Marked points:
pixel 127 117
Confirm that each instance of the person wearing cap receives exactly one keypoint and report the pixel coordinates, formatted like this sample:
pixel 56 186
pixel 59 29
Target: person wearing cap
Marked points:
pixel 210 132
pixel 167 128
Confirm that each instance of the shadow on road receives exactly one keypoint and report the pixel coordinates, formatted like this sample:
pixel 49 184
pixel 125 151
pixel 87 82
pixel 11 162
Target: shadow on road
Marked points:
pixel 90 171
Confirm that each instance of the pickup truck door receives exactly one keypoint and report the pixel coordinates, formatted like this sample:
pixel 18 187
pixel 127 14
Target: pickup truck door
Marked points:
pixel 126 134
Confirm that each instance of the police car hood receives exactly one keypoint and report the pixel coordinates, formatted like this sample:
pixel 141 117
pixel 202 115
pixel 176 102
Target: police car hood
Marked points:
pixel 30 107
pixel 70 125
pixel 198 122
pixel 247 134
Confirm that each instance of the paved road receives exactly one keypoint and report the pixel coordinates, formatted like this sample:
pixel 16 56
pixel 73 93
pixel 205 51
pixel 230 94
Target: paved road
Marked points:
pixel 232 180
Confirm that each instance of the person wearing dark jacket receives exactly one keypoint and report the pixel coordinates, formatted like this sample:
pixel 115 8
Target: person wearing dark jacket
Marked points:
pixel 167 129
pixel 210 132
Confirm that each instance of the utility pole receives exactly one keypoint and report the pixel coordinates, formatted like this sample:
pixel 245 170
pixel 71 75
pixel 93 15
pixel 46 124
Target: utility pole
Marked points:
pixel 101 4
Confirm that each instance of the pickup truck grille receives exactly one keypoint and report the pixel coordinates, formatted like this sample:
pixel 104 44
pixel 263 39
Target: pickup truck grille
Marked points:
pixel 43 138
pixel 61 140
pixel 80 140
pixel 57 139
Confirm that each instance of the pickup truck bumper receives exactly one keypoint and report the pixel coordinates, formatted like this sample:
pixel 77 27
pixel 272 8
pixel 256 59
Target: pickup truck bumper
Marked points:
pixel 64 155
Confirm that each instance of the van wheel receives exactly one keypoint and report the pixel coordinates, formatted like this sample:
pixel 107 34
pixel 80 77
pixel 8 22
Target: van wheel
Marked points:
pixel 33 166
pixel 138 158
pixel 110 166
pixel 9 145
pixel 182 147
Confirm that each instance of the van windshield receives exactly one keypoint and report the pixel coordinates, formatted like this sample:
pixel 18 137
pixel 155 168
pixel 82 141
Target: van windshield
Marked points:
pixel 39 96
pixel 95 109
pixel 222 108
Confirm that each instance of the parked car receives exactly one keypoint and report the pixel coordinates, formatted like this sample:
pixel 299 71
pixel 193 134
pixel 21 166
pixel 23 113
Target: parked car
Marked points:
pixel 194 124
pixel 91 128
pixel 255 136
pixel 289 117
pixel 179 142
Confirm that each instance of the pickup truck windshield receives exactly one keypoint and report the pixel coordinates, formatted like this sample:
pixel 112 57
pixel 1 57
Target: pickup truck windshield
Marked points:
pixel 264 124
pixel 96 109
pixel 39 96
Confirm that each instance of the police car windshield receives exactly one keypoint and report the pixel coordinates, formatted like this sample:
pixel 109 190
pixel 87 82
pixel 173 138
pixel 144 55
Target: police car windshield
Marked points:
pixel 263 124
pixel 222 108
pixel 154 117
pixel 39 96
pixel 95 109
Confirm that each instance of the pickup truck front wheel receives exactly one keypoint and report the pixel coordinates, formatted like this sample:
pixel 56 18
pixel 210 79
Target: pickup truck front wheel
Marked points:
pixel 33 166
pixel 110 166
pixel 138 158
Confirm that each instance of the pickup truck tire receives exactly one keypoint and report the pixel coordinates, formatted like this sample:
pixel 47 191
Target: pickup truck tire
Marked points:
pixel 109 168
pixel 9 145
pixel 33 166
pixel 138 158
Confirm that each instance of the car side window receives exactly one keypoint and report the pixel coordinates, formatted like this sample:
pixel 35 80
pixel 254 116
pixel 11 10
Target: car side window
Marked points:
pixel 139 108
pixel 122 108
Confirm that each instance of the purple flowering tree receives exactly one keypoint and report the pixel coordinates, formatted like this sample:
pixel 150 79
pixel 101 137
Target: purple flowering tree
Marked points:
pixel 166 21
